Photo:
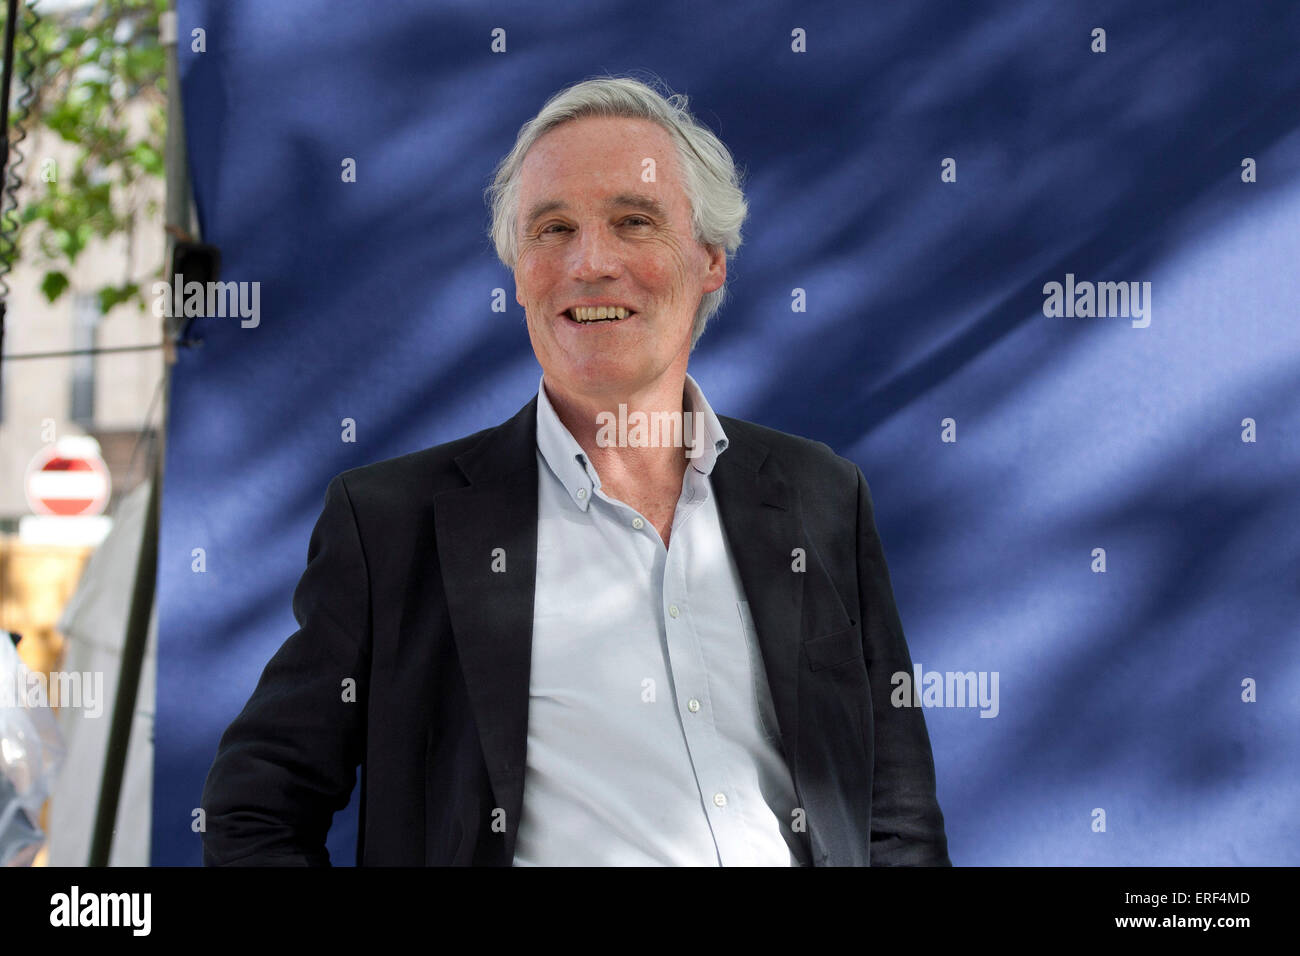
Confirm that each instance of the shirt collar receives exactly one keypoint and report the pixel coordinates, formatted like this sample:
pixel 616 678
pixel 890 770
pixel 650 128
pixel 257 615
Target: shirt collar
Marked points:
pixel 568 462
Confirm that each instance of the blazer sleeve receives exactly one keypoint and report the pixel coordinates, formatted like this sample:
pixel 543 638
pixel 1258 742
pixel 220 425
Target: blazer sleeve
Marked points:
pixel 288 762
pixel 906 823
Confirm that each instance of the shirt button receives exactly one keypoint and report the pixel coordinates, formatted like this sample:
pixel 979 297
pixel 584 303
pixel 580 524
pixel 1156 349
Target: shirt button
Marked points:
pixel 672 610
pixel 693 705
pixel 720 799
pixel 582 493
pixel 638 523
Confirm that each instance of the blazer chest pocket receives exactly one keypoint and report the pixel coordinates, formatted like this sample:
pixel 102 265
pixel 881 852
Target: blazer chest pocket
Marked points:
pixel 838 647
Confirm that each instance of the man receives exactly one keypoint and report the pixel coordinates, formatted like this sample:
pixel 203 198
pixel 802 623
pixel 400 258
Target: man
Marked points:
pixel 561 641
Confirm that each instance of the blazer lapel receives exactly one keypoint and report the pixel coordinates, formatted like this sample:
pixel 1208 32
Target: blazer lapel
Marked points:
pixel 762 520
pixel 487 546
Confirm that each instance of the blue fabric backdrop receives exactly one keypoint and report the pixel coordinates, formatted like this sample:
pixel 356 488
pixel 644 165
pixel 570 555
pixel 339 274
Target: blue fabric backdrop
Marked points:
pixel 1119 690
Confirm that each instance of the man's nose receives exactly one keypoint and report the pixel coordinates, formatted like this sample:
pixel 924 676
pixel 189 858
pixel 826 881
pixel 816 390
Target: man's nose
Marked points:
pixel 595 254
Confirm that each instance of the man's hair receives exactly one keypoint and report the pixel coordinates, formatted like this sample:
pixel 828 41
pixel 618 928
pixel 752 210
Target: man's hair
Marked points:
pixel 710 177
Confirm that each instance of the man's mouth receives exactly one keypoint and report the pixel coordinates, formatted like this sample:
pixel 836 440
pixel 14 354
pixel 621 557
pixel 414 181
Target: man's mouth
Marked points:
pixel 588 314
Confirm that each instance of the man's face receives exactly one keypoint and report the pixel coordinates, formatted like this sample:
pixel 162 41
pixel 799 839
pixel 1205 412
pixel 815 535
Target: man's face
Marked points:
pixel 592 232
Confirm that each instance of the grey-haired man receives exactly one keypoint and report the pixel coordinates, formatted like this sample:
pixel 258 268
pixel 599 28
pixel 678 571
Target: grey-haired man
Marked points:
pixel 577 644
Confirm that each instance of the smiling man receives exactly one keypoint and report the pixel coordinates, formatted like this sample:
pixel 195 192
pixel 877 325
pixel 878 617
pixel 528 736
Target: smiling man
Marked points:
pixel 545 647
pixel 611 276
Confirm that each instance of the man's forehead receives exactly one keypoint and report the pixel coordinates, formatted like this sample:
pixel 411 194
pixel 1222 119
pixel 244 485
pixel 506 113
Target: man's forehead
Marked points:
pixel 561 170
pixel 600 145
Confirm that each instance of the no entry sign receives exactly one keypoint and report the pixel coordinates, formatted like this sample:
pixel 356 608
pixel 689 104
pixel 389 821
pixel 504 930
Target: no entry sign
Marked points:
pixel 68 478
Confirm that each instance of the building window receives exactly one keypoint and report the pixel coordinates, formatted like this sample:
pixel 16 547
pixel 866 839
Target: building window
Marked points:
pixel 85 326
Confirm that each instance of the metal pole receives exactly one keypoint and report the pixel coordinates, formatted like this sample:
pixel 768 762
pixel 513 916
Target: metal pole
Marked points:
pixel 175 156
pixel 177 207
pixel 128 681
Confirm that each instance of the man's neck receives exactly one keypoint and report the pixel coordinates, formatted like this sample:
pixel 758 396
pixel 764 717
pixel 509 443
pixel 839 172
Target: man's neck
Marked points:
pixel 619 465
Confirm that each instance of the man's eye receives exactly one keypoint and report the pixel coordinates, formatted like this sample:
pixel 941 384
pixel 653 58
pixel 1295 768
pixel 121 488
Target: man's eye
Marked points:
pixel 554 225
pixel 637 221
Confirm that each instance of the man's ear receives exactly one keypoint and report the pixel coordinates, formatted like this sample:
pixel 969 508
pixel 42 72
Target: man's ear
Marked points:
pixel 717 271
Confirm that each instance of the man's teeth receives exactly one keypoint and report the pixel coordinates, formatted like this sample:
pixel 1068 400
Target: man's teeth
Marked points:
pixel 588 313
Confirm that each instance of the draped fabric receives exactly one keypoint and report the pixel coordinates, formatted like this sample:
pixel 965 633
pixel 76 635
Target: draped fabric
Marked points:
pixel 1043 293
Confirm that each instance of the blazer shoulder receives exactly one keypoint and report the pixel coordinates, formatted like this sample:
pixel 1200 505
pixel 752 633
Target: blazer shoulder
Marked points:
pixel 798 458
pixel 420 474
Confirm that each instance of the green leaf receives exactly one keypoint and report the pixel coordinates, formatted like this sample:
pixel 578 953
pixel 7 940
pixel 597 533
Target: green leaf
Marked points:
pixel 87 64
pixel 53 285
pixel 112 296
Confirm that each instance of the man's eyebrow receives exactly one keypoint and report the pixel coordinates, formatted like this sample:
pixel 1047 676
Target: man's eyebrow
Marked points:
pixel 541 208
pixel 637 201
pixel 647 204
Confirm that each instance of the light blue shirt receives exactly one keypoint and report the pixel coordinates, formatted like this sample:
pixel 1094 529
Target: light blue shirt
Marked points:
pixel 652 738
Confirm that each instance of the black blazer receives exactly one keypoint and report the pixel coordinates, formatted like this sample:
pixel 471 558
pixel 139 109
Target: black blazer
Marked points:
pixel 412 659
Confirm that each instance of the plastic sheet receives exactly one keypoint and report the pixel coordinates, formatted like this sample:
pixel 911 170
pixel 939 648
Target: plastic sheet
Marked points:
pixel 31 752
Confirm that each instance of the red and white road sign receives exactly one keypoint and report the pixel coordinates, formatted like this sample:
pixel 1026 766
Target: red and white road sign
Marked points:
pixel 68 478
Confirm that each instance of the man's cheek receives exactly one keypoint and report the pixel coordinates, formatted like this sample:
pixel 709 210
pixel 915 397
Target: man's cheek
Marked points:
pixel 660 276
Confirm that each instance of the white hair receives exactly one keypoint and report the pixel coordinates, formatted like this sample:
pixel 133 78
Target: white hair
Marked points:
pixel 710 177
